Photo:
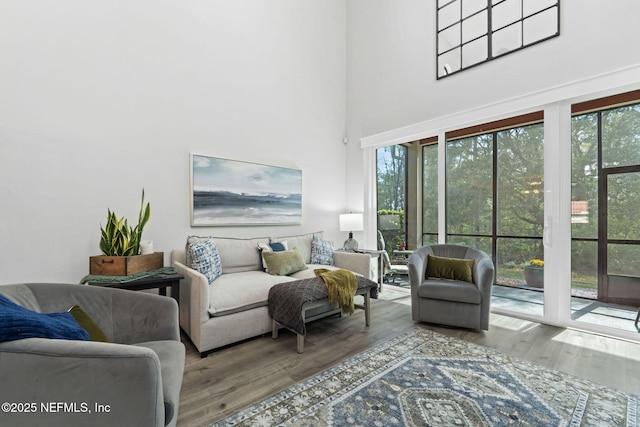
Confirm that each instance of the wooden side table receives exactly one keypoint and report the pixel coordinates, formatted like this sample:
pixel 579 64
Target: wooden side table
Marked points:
pixel 403 253
pixel 160 281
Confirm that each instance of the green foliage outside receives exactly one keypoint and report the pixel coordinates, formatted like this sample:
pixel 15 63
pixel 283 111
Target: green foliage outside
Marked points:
pixel 391 188
pixel 620 140
pixel 518 204
pixel 392 177
pixel 393 238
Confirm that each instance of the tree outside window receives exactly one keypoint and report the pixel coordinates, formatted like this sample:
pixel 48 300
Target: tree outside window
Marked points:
pixel 391 195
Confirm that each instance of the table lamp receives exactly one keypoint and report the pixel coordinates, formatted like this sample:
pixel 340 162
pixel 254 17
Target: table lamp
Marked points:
pixel 351 222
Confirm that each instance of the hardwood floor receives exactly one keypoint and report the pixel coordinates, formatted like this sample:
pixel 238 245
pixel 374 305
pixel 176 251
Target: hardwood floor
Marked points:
pixel 229 379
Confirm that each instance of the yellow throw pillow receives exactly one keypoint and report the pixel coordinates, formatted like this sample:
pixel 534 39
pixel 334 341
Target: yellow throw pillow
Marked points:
pixel 450 268
pixel 87 323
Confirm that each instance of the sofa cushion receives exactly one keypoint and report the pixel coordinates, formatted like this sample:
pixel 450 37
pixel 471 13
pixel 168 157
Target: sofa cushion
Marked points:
pixel 236 254
pixel 233 293
pixel 308 273
pixel 450 290
pixel 321 251
pixel 302 242
pixel 285 262
pixel 205 259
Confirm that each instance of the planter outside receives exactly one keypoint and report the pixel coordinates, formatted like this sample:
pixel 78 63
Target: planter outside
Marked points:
pixel 534 276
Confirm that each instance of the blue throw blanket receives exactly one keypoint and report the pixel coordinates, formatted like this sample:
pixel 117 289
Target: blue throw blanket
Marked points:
pixel 17 322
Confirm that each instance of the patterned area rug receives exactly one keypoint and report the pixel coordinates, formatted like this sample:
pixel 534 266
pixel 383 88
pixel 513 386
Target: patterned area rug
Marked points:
pixel 422 378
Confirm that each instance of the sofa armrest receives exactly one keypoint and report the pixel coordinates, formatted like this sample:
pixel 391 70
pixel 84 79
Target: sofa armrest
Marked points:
pixel 80 383
pixel 356 262
pixel 194 300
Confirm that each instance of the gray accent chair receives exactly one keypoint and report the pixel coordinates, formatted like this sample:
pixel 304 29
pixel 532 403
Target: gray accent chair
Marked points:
pixel 451 302
pixel 136 377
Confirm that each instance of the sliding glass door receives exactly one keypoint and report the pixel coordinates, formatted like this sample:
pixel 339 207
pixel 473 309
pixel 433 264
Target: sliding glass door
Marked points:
pixel 495 202
pixel 605 203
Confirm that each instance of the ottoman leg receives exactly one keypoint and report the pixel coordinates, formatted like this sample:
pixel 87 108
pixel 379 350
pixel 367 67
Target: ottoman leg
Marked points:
pixel 367 306
pixel 300 343
pixel 274 329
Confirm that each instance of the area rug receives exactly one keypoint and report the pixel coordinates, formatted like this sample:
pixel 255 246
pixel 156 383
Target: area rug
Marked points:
pixel 422 378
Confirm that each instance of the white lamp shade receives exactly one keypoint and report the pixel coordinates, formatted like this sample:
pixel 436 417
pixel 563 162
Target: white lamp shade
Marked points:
pixel 351 222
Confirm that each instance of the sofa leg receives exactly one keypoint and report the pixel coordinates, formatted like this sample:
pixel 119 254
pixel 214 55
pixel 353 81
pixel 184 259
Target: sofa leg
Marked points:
pixel 274 329
pixel 204 354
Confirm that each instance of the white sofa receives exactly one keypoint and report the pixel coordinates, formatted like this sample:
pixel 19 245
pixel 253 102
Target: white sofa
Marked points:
pixel 234 306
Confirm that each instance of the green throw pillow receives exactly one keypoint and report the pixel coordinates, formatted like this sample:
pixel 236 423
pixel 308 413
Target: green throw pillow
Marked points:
pixel 284 263
pixel 95 332
pixel 450 268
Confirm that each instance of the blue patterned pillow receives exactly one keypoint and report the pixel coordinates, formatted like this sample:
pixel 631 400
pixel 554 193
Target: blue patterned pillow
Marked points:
pixel 205 259
pixel 321 251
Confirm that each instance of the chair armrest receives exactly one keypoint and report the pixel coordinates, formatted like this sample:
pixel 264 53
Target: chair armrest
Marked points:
pixel 140 316
pixel 356 262
pixel 126 380
pixel 417 268
pixel 485 274
pixel 417 273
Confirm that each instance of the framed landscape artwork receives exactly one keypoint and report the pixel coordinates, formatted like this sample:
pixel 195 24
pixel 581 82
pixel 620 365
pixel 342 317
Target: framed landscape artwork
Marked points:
pixel 230 192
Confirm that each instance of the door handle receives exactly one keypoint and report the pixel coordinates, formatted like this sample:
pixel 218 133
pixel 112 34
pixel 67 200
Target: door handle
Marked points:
pixel 546 234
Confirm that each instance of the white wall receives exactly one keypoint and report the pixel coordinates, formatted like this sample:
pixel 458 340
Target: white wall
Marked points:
pixel 392 72
pixel 100 99
pixel 394 96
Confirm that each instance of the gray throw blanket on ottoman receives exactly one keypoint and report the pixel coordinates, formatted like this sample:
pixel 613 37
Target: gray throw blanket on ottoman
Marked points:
pixel 287 299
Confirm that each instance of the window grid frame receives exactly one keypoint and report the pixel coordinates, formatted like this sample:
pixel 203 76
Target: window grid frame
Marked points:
pixel 489 33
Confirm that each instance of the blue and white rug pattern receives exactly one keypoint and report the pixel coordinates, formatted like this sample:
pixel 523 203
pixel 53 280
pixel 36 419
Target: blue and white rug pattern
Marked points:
pixel 422 378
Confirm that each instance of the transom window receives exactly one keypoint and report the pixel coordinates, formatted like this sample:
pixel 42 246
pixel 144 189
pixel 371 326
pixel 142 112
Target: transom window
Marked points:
pixel 470 32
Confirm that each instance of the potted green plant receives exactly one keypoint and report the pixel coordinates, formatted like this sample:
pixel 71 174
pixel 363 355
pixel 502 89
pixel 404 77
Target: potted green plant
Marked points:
pixel 120 246
pixel 118 238
pixel 534 273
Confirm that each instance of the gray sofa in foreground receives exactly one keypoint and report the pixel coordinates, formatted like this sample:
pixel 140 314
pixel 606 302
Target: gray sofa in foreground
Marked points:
pixel 233 307
pixel 133 380
pixel 451 302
